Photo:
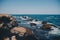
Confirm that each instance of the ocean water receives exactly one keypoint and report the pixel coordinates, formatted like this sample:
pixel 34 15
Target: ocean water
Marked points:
pixel 55 19
pixel 40 34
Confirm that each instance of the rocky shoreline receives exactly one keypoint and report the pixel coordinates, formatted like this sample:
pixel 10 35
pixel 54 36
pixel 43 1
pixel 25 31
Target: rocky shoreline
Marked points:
pixel 26 29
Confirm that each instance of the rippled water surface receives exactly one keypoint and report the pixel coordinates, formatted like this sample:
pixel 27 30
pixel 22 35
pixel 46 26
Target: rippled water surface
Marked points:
pixel 55 19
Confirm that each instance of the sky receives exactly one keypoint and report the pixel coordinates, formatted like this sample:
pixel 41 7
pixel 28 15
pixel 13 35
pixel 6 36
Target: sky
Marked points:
pixel 30 6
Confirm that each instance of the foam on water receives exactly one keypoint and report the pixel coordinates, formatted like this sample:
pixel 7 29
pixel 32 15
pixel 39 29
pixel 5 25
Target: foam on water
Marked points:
pixel 54 31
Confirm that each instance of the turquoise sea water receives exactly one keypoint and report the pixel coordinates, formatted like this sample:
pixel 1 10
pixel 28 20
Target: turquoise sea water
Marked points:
pixel 55 19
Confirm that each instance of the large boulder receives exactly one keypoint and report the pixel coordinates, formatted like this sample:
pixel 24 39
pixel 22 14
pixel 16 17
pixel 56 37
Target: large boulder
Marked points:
pixel 23 33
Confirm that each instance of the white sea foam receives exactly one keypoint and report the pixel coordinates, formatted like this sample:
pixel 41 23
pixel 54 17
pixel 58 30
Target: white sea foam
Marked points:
pixel 54 31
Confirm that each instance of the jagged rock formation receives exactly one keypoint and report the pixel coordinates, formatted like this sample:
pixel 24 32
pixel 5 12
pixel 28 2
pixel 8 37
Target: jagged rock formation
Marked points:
pixel 6 23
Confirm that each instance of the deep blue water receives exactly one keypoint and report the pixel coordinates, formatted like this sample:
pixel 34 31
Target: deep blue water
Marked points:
pixel 55 19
